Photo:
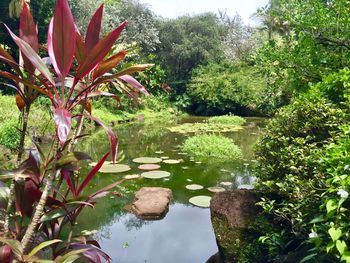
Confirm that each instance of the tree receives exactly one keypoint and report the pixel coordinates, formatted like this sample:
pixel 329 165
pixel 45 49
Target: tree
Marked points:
pixel 187 42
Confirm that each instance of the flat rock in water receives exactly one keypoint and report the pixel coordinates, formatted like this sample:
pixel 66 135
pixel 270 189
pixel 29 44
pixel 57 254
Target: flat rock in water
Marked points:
pixel 151 203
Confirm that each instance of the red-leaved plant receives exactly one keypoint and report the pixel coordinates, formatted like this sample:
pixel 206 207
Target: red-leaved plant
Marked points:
pixel 70 77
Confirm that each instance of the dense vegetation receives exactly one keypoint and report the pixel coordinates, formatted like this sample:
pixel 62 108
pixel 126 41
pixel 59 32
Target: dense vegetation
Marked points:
pixel 294 67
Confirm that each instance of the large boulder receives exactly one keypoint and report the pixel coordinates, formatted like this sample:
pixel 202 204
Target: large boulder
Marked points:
pixel 151 203
pixel 234 217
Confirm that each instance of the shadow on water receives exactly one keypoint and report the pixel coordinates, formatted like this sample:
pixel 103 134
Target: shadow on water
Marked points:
pixel 185 234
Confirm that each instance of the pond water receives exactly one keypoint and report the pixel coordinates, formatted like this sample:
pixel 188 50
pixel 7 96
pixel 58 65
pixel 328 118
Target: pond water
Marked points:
pixel 185 235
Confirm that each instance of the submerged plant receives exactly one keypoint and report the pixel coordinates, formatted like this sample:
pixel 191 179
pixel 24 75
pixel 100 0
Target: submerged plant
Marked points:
pixel 76 69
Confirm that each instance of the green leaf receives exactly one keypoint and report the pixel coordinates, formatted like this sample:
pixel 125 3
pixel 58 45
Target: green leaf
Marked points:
pixel 331 205
pixel 60 212
pixel 335 233
pixel 70 257
pixel 72 158
pixel 341 246
pixel 41 246
pixel 308 257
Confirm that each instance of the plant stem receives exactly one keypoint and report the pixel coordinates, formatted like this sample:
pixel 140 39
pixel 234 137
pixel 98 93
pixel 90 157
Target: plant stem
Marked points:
pixel 19 159
pixel 29 234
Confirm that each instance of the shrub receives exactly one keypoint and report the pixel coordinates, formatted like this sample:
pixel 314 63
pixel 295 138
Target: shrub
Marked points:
pixel 212 148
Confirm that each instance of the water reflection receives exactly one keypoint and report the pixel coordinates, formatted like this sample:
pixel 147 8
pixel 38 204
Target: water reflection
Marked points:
pixel 185 234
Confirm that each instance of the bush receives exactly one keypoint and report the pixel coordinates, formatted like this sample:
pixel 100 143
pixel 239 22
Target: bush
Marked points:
pixel 227 120
pixel 216 148
pixel 303 168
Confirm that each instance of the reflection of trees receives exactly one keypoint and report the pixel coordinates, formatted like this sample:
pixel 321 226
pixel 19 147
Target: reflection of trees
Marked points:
pixel 132 222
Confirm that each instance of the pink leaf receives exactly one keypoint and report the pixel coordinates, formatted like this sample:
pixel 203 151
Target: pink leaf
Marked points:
pixel 29 33
pixel 94 29
pixel 32 56
pixel 61 38
pixel 98 53
pixel 134 83
pixel 92 173
pixel 63 121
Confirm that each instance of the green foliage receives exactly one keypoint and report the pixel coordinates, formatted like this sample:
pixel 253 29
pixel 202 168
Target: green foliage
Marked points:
pixel 228 87
pixel 227 119
pixel 9 135
pixel 186 42
pixel 303 161
pixel 212 148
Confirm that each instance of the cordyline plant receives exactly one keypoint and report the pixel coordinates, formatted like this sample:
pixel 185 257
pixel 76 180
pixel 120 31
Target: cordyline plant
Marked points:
pixel 69 77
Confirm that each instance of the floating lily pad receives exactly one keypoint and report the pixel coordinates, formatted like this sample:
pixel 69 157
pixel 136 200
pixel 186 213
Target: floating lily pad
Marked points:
pixel 95 163
pixel 201 201
pixel 194 187
pixel 246 186
pixel 149 166
pixel 185 167
pixel 171 161
pixel 188 180
pixel 132 176
pixel 198 162
pixel 216 189
pixel 159 152
pixel 116 168
pixel 147 160
pixel 157 174
pixel 165 157
pixel 226 183
pixel 181 153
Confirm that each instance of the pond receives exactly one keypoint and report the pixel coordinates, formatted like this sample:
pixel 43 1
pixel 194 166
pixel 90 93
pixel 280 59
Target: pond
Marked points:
pixel 185 234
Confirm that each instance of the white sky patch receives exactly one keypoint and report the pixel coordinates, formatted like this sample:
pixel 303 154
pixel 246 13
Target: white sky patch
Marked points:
pixel 175 8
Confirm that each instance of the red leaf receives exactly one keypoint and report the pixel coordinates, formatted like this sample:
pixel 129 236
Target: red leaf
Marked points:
pixel 63 121
pixel 94 29
pixel 134 83
pixel 6 57
pixel 25 82
pixel 29 33
pixel 5 254
pixel 61 38
pixel 92 173
pixel 32 56
pixel 98 53
pixel 112 137
pixel 80 49
pixel 67 176
pixel 108 64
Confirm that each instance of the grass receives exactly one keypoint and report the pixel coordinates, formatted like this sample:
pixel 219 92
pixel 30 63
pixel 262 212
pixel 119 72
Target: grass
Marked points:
pixel 227 120
pixel 211 148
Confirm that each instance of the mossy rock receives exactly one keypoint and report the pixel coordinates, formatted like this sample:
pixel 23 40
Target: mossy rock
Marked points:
pixel 233 215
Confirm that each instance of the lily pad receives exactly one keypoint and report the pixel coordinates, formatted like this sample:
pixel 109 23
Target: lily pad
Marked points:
pixel 194 187
pixel 147 160
pixel 157 174
pixel 116 168
pixel 95 163
pixel 185 167
pixel 216 189
pixel 246 186
pixel 198 162
pixel 132 176
pixel 171 161
pixel 159 152
pixel 200 200
pixel 226 183
pixel 149 166
pixel 165 157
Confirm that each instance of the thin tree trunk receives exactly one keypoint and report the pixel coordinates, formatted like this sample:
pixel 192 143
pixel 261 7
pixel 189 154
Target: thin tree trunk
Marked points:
pixel 19 159
pixel 39 211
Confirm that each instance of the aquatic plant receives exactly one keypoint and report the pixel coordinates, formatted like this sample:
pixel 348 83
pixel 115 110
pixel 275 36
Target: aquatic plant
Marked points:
pixel 212 148
pixel 227 119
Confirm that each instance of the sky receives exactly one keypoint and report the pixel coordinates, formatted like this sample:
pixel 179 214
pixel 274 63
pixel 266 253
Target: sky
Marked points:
pixel 175 8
